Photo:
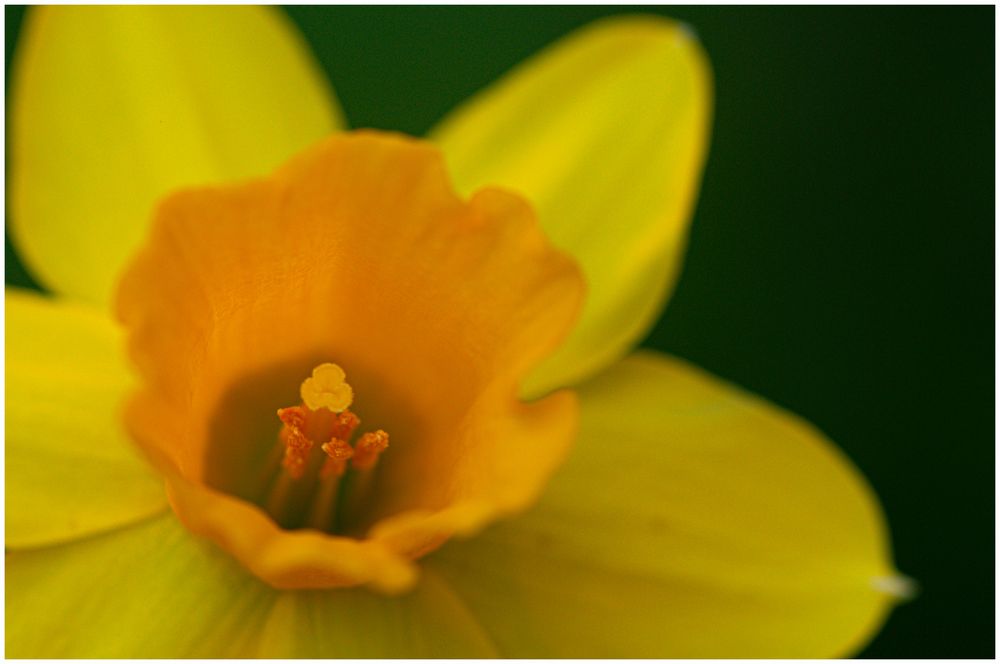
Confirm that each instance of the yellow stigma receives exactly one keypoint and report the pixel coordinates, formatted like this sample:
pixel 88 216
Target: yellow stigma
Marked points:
pixel 326 388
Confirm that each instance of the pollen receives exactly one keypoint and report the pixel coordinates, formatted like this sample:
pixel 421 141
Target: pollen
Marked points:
pixel 368 449
pixel 327 388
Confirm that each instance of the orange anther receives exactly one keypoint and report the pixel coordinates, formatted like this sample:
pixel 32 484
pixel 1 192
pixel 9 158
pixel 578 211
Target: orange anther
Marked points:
pixel 297 448
pixel 337 449
pixel 338 452
pixel 297 445
pixel 345 425
pixel 293 417
pixel 368 449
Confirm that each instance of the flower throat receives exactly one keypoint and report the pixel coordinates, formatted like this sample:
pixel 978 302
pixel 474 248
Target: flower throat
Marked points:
pixel 322 472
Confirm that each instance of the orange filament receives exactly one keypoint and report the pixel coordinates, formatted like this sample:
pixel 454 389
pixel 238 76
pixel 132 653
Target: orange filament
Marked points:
pixel 368 449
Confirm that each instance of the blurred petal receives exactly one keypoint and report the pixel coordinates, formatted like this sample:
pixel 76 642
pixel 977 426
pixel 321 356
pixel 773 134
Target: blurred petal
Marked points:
pixel 429 622
pixel 71 471
pixel 606 134
pixel 151 591
pixel 693 520
pixel 113 107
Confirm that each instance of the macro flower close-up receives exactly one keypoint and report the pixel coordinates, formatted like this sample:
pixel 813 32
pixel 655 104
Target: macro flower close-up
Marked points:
pixel 297 387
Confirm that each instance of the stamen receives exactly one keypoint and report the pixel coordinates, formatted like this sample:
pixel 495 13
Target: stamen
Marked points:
pixel 361 487
pixel 297 444
pixel 368 449
pixel 311 481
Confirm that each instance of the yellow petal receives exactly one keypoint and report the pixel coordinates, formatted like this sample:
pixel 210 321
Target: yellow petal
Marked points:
pixel 605 133
pixel 151 590
pixel 429 622
pixel 113 107
pixel 358 253
pixel 693 520
pixel 71 471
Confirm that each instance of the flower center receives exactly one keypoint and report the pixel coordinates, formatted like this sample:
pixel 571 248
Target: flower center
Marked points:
pixel 316 453
pixel 442 305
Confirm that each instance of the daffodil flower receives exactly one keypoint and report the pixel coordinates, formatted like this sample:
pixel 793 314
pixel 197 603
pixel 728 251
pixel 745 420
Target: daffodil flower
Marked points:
pixel 387 382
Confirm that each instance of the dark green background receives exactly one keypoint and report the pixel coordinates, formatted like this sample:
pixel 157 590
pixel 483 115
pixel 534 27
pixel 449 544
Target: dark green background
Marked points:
pixel 841 260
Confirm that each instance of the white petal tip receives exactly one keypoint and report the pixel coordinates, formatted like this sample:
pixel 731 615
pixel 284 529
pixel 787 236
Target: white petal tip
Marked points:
pixel 898 586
